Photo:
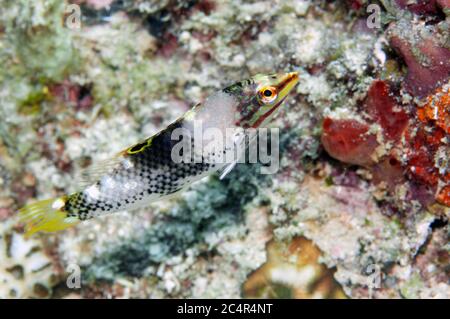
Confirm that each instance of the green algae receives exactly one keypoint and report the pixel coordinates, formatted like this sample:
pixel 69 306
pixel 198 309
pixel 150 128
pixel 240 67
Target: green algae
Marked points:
pixel 42 43
pixel 412 287
pixel 32 104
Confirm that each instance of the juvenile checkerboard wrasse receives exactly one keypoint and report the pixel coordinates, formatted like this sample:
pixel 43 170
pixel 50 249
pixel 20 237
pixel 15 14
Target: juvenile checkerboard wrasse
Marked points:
pixel 147 171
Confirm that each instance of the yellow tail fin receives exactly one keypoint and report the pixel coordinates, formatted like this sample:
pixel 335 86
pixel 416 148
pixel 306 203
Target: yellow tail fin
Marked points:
pixel 46 216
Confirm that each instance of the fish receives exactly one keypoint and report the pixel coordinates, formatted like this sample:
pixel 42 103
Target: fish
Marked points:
pixel 156 167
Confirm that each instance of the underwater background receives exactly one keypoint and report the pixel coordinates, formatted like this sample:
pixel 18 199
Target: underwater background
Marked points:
pixel 358 209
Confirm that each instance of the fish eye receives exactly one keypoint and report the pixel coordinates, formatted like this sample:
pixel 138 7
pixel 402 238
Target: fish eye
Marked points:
pixel 268 94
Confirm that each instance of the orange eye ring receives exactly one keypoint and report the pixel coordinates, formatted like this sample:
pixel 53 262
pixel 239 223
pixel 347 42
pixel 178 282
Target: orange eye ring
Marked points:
pixel 268 94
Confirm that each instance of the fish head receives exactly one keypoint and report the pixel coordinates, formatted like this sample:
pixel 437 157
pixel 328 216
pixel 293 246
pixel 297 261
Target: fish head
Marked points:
pixel 259 97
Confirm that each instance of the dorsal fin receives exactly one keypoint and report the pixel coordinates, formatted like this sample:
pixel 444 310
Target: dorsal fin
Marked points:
pixel 93 173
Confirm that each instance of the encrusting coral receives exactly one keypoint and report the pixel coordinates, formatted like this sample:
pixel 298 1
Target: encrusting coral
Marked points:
pixel 25 269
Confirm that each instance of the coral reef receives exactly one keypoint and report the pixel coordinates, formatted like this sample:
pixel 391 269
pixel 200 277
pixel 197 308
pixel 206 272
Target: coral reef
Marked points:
pixel 25 270
pixel 363 191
